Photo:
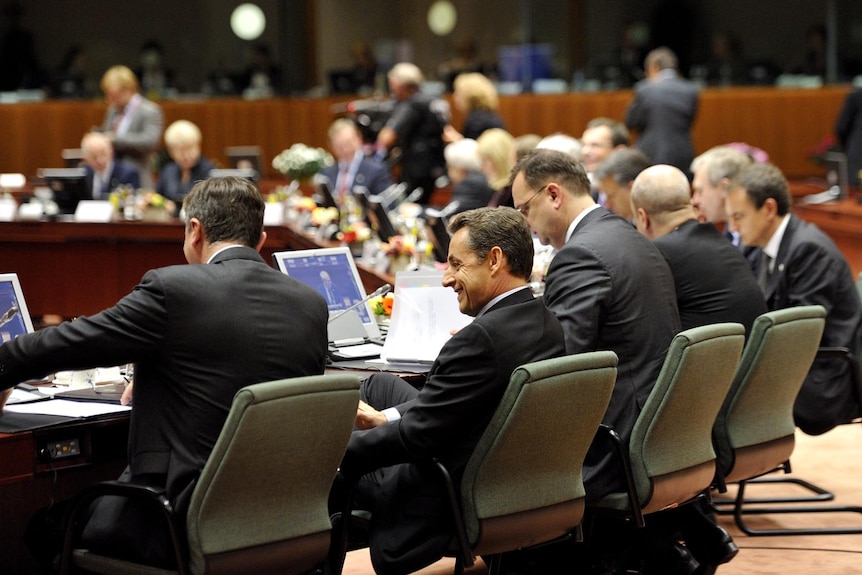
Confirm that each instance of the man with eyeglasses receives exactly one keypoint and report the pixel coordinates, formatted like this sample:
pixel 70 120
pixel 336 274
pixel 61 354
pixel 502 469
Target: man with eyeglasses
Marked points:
pixel 609 287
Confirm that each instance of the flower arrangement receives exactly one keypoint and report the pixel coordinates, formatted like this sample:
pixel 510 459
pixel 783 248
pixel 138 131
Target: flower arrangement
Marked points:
pixel 382 305
pixel 397 246
pixel 300 162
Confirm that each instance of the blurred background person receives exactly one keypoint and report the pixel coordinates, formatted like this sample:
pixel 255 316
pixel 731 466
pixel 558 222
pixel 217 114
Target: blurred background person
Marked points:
pixel 615 176
pixel 156 80
pixel 364 67
pixel 469 186
pixel 601 137
pixel 494 148
pixel 848 130
pixel 524 144
pixel 262 77
pixel 187 165
pixel 352 167
pixel 476 97
pixel 103 172
pixel 133 123
pixel 415 128
pixel 70 79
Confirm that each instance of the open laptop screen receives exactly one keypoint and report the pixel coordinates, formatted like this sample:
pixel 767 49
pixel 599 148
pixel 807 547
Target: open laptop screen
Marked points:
pixel 14 316
pixel 332 272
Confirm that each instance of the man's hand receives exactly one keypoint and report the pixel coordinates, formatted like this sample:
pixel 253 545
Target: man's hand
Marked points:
pixel 367 417
pixel 126 398
pixel 4 396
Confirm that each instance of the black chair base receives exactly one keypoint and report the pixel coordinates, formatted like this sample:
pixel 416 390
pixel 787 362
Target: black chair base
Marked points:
pixel 739 511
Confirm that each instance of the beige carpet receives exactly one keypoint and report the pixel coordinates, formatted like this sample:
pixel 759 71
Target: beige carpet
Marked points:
pixel 832 461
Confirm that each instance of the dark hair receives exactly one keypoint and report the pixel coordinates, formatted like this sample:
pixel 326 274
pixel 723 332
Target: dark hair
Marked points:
pixel 503 227
pixel 229 209
pixel 623 166
pixel 542 165
pixel 619 132
pixel 764 181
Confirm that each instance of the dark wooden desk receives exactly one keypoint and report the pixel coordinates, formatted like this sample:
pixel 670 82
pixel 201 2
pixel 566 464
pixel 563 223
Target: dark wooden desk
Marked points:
pixel 30 481
pixel 842 221
pixel 72 269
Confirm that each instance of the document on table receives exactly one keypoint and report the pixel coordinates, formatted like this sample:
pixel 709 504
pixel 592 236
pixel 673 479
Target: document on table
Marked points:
pixel 67 408
pixel 424 315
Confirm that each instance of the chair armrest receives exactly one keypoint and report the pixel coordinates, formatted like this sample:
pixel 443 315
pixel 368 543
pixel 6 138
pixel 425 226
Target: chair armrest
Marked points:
pixel 150 495
pixel 622 455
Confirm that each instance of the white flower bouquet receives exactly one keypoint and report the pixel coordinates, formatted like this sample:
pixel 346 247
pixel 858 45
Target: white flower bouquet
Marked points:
pixel 300 162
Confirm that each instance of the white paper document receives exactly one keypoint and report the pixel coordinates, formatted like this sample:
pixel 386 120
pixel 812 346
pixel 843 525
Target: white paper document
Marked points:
pixel 67 408
pixel 424 315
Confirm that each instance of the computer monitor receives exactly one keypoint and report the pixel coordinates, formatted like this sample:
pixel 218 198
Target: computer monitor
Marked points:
pixel 250 175
pixel 378 217
pixel 333 273
pixel 436 222
pixel 836 173
pixel 14 315
pixel 68 186
pixel 245 158
pixel 323 192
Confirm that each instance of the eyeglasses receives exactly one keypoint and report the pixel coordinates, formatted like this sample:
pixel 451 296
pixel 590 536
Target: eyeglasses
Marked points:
pixel 523 207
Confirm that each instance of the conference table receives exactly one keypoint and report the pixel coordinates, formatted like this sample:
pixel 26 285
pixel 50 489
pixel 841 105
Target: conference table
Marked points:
pixel 76 268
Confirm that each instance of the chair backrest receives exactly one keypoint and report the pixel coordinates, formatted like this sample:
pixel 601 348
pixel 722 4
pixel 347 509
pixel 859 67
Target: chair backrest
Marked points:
pixel 523 483
pixel 671 451
pixel 754 431
pixel 261 498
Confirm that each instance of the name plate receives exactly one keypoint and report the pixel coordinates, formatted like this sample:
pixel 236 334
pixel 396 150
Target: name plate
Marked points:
pixel 99 211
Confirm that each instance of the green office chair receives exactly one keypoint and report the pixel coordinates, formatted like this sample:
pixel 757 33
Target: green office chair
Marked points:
pixel 754 433
pixel 669 458
pixel 523 483
pixel 260 504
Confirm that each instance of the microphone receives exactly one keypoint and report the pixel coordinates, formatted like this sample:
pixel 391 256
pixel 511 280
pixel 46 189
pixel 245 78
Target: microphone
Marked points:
pixel 384 289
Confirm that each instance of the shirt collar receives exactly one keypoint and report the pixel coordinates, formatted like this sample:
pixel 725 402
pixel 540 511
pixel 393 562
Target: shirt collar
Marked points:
pixel 771 247
pixel 220 250
pixel 577 220
pixel 499 298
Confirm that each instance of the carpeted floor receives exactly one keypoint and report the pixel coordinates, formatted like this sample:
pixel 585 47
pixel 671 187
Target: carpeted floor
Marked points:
pixel 832 461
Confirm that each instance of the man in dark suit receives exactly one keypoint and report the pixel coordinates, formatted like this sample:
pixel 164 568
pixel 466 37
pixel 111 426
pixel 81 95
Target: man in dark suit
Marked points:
pixel 713 284
pixel 490 259
pixel 848 129
pixel 103 172
pixel 133 123
pixel 352 167
pixel 610 288
pixel 712 278
pixel 197 334
pixel 802 266
pixel 663 110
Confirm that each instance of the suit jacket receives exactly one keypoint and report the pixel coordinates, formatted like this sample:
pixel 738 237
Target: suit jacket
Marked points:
pixel 848 128
pixel 141 139
pixel 371 174
pixel 810 270
pixel 712 278
pixel 122 174
pixel 611 289
pixel 662 113
pixel 170 183
pixel 472 192
pixel 197 333
pixel 446 420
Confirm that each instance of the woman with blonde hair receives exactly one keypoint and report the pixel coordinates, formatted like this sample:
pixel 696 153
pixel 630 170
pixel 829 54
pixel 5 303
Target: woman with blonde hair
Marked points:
pixel 494 148
pixel 476 97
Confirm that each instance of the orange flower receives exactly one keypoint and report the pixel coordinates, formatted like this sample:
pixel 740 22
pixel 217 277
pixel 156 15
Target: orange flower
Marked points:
pixel 388 302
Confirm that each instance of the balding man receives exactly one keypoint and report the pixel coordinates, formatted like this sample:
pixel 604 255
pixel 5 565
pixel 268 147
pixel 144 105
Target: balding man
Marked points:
pixel 103 172
pixel 713 280
pixel 713 284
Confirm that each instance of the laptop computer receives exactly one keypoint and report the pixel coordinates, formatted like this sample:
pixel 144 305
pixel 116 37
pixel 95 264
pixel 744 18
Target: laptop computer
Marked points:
pixel 14 321
pixel 353 331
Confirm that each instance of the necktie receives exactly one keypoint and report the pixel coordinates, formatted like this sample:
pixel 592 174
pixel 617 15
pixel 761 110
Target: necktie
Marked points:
pixel 342 182
pixel 763 273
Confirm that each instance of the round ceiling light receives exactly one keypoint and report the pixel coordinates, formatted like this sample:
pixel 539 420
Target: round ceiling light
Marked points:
pixel 442 17
pixel 248 21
